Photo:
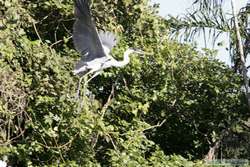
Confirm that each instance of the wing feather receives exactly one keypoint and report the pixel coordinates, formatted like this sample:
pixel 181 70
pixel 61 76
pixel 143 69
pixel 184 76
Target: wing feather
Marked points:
pixel 108 39
pixel 85 36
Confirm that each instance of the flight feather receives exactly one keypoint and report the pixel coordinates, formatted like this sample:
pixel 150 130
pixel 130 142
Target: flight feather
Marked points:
pixel 85 36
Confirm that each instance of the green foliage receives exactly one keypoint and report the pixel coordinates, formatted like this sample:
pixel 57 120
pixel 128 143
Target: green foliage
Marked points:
pixel 211 19
pixel 175 101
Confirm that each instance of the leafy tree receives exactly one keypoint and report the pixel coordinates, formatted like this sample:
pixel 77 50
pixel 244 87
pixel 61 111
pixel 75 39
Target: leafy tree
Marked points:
pixel 134 116
pixel 210 19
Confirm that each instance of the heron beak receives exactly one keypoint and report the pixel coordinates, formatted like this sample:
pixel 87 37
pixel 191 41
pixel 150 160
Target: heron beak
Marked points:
pixel 141 53
pixel 138 51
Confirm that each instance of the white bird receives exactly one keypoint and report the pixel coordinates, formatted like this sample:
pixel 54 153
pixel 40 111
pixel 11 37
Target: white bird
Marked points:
pixel 94 47
pixel 3 163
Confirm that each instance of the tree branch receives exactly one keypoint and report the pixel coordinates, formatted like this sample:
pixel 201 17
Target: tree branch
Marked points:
pixel 240 47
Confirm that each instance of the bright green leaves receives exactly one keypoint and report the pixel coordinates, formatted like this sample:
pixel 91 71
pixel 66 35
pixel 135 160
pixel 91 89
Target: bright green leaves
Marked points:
pixel 175 100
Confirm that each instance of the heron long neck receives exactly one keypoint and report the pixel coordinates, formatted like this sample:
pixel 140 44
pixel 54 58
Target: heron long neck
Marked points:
pixel 125 60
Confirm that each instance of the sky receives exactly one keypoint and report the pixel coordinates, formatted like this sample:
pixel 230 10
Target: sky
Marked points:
pixel 173 7
pixel 179 7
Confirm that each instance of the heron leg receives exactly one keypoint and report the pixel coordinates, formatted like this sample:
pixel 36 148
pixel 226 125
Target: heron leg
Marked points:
pixel 79 87
pixel 93 76
pixel 79 84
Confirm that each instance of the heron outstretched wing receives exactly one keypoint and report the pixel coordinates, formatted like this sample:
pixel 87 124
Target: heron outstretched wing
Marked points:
pixel 108 39
pixel 85 36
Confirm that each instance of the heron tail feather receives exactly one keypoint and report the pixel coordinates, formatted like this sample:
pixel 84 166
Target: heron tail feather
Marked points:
pixel 80 70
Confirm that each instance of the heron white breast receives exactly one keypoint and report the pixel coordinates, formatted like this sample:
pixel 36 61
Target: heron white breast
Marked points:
pixel 97 63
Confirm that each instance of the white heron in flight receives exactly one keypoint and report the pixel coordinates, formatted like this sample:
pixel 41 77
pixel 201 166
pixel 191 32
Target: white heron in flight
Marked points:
pixel 94 47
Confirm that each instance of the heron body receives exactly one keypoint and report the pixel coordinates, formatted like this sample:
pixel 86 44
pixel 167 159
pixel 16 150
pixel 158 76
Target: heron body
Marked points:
pixel 99 64
pixel 93 46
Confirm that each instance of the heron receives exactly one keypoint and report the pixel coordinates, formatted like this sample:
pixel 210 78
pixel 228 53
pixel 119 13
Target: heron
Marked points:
pixel 3 163
pixel 94 46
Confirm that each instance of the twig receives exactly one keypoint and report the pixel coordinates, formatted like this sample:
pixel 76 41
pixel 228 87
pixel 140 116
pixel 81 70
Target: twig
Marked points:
pixel 34 25
pixel 68 31
pixel 142 130
pixel 103 111
pixel 57 27
pixel 57 42
pixel 112 142
pixel 59 146
pixel 155 126
pixel 126 84
pixel 44 18
pixel 151 127
pixel 104 108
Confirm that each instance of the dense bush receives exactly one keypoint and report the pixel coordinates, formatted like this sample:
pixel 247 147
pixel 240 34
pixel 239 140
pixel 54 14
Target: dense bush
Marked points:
pixel 175 101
